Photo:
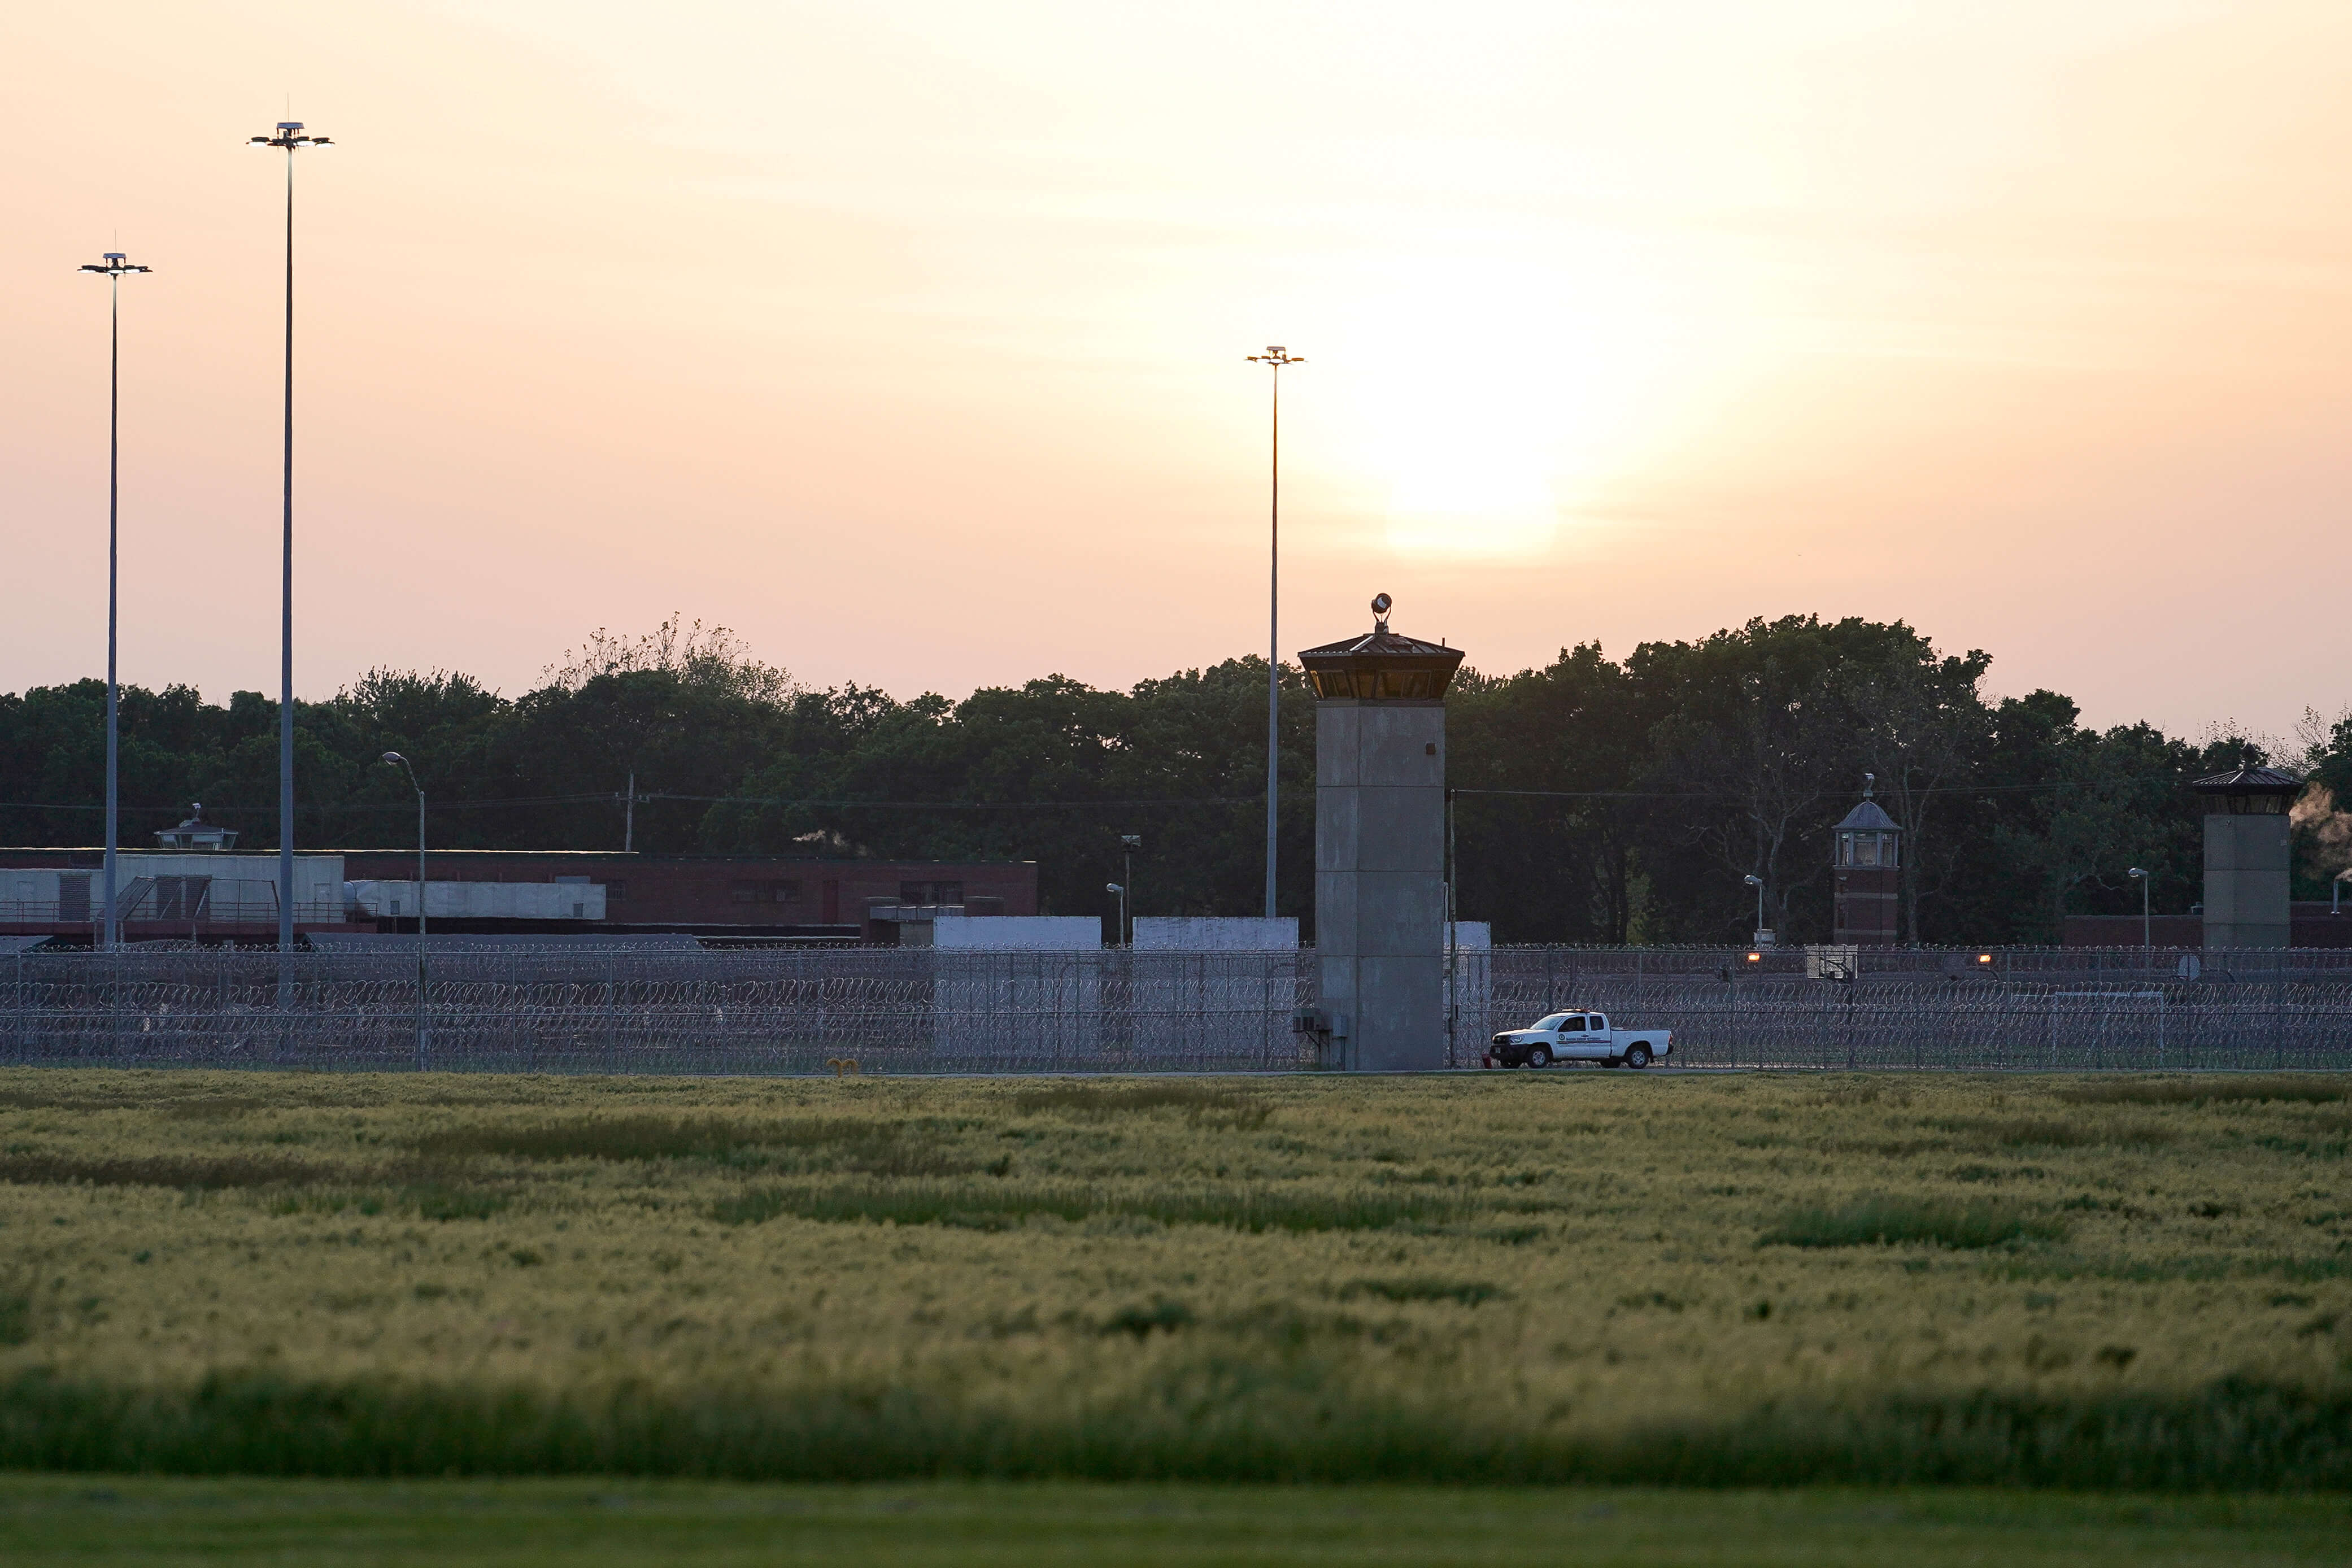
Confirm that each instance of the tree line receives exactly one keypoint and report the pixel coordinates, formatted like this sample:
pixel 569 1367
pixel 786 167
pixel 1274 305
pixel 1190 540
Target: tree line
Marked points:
pixel 1597 801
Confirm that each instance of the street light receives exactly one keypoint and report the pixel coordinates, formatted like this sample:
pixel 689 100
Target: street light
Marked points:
pixel 1129 844
pixel 395 759
pixel 1275 358
pixel 2139 875
pixel 1115 888
pixel 290 136
pixel 1762 936
pixel 113 269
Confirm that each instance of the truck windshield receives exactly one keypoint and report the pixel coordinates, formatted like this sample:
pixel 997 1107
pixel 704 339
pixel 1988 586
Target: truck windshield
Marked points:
pixel 1549 1021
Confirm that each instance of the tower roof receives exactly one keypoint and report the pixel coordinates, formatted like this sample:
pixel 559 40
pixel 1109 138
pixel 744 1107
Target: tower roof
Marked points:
pixel 1868 817
pixel 2249 780
pixel 1382 665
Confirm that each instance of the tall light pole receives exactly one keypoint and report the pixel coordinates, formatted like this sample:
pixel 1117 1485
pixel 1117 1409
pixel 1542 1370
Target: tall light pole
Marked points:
pixel 1275 358
pixel 2146 927
pixel 113 269
pixel 1129 844
pixel 401 762
pixel 1757 883
pixel 290 136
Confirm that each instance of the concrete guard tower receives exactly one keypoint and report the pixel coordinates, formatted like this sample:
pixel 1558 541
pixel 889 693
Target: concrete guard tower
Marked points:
pixel 2246 856
pixel 1380 847
pixel 1868 872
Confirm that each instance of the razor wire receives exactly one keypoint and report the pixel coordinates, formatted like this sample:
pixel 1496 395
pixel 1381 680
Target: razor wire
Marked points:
pixel 622 1010
pixel 657 1010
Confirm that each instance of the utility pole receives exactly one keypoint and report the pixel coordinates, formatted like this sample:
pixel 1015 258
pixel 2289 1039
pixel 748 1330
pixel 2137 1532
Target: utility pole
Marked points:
pixel 113 269
pixel 422 993
pixel 289 135
pixel 1275 358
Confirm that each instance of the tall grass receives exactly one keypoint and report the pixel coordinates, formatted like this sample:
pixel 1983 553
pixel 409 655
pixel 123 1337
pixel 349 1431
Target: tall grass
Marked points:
pixel 2230 1435
pixel 1315 1278
pixel 1888 1222
pixel 192 1173
pixel 2210 1088
pixel 970 1205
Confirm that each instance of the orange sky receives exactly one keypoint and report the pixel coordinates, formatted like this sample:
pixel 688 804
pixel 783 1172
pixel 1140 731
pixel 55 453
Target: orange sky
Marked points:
pixel 907 339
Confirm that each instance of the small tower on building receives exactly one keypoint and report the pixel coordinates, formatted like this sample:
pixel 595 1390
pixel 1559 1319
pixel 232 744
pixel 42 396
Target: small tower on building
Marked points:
pixel 1868 869
pixel 1379 845
pixel 2246 856
pixel 194 833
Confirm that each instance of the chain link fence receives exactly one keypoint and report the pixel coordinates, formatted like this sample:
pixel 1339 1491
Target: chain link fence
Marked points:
pixel 613 1008
pixel 617 1008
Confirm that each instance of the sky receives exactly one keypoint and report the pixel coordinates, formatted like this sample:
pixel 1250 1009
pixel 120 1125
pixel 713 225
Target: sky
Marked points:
pixel 909 340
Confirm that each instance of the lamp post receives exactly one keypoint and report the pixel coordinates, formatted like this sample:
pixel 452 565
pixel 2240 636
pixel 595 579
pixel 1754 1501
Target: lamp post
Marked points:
pixel 289 135
pixel 401 762
pixel 1275 358
pixel 113 269
pixel 2146 927
pixel 1115 888
pixel 1757 883
pixel 1129 844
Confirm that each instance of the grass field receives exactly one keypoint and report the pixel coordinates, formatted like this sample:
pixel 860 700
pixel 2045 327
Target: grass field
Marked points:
pixel 92 1521
pixel 1724 1280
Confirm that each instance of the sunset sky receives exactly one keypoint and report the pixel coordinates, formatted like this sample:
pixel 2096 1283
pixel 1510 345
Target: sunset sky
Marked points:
pixel 907 339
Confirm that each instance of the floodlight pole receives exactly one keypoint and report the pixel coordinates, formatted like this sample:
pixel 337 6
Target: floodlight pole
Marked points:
pixel 395 757
pixel 1129 844
pixel 288 136
pixel 112 271
pixel 1757 883
pixel 1275 358
pixel 2146 927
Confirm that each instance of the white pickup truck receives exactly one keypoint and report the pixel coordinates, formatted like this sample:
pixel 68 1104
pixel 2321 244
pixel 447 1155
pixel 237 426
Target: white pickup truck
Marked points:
pixel 1578 1036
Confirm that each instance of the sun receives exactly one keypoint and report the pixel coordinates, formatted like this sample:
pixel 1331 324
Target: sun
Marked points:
pixel 1485 394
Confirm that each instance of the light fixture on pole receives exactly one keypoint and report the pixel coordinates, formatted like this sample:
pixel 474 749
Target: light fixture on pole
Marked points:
pixel 113 269
pixel 2146 927
pixel 395 759
pixel 1115 888
pixel 1763 936
pixel 1275 358
pixel 1129 844
pixel 288 135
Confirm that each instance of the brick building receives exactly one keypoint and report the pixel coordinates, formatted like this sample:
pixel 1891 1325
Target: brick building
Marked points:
pixel 711 893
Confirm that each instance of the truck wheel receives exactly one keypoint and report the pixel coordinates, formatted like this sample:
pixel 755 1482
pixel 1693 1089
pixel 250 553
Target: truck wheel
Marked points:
pixel 1539 1058
pixel 1637 1055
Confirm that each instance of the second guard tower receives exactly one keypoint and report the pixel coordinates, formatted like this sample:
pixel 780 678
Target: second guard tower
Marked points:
pixel 1869 872
pixel 1379 845
pixel 2247 845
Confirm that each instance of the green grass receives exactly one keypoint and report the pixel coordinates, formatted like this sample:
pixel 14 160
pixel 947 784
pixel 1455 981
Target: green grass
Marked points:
pixel 93 1521
pixel 204 1173
pixel 1472 1278
pixel 2212 1088
pixel 1205 1415
pixel 974 1205
pixel 1893 1222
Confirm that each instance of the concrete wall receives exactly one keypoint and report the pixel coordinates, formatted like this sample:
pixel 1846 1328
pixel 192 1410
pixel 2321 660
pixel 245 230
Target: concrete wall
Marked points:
pixel 2246 881
pixel 1216 933
pixel 1380 879
pixel 1018 933
pixel 478 900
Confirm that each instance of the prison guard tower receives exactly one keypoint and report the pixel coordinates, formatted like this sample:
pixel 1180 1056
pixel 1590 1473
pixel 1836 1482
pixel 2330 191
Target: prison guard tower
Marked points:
pixel 2246 856
pixel 1380 848
pixel 1868 871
